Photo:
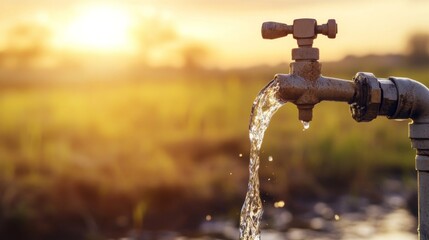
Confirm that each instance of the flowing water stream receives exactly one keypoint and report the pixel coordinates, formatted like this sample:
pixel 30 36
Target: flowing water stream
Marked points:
pixel 264 107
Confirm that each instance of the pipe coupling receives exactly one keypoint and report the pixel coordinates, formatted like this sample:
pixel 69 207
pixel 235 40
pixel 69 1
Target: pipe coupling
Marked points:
pixel 419 135
pixel 367 100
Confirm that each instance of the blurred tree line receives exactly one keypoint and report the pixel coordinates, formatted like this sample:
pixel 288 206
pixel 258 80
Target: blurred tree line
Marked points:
pixel 29 45
pixel 418 49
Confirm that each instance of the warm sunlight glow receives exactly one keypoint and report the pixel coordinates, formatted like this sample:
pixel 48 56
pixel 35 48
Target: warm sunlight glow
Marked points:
pixel 104 28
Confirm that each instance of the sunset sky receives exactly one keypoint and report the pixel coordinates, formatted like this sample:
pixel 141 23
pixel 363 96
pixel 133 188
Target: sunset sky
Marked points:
pixel 228 30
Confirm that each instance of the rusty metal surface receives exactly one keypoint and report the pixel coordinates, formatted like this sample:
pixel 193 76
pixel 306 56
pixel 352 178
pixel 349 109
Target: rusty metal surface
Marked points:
pixel 305 54
pixel 330 29
pixel 305 112
pixel 306 67
pixel 306 93
pixel 294 88
pixel 273 30
pixel 303 28
pixel 309 71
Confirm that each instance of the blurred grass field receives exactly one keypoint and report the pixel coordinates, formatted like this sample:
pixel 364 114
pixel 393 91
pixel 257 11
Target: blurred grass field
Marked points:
pixel 102 158
pixel 129 119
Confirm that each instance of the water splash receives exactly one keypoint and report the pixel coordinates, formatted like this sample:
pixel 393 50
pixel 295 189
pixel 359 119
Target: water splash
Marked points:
pixel 306 125
pixel 279 204
pixel 264 107
pixel 337 217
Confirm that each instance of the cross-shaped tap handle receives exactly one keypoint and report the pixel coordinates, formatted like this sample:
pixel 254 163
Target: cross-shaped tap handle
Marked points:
pixel 304 30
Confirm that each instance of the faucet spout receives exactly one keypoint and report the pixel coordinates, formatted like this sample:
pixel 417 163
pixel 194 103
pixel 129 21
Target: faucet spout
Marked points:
pixel 306 93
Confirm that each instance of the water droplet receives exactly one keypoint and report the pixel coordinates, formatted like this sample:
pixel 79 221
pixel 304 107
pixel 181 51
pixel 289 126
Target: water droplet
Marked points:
pixel 337 217
pixel 269 179
pixel 279 204
pixel 306 125
pixel 270 158
pixel 240 155
pixel 208 217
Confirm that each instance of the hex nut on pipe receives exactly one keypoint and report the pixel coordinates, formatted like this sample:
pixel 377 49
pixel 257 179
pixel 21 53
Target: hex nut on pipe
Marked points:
pixel 368 98
pixel 305 54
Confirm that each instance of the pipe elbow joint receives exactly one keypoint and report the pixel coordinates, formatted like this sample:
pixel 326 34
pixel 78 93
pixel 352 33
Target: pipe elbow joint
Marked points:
pixel 413 103
pixel 395 98
pixel 413 100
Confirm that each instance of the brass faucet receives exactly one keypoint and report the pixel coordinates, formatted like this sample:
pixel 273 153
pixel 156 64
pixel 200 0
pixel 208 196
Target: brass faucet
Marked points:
pixel 305 86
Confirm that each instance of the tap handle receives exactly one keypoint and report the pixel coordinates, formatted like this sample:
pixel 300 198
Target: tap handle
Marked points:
pixel 304 30
pixel 330 29
pixel 273 30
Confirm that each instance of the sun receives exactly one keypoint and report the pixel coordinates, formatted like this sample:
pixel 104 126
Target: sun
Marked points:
pixel 103 28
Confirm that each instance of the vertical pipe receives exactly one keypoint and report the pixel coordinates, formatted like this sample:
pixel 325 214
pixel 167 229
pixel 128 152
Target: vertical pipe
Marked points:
pixel 422 166
pixel 423 185
pixel 419 135
pixel 413 102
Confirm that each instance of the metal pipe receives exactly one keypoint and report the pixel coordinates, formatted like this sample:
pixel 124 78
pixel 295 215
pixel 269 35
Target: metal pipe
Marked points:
pixel 413 102
pixel 423 198
pixel 401 98
pixel 369 97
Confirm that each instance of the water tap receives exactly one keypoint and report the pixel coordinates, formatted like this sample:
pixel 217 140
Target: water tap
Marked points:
pixel 368 96
pixel 304 85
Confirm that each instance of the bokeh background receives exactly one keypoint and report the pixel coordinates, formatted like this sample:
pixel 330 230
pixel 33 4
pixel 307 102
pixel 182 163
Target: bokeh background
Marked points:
pixel 129 119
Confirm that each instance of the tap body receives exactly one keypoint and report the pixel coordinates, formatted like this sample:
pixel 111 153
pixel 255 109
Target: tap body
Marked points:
pixel 305 87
